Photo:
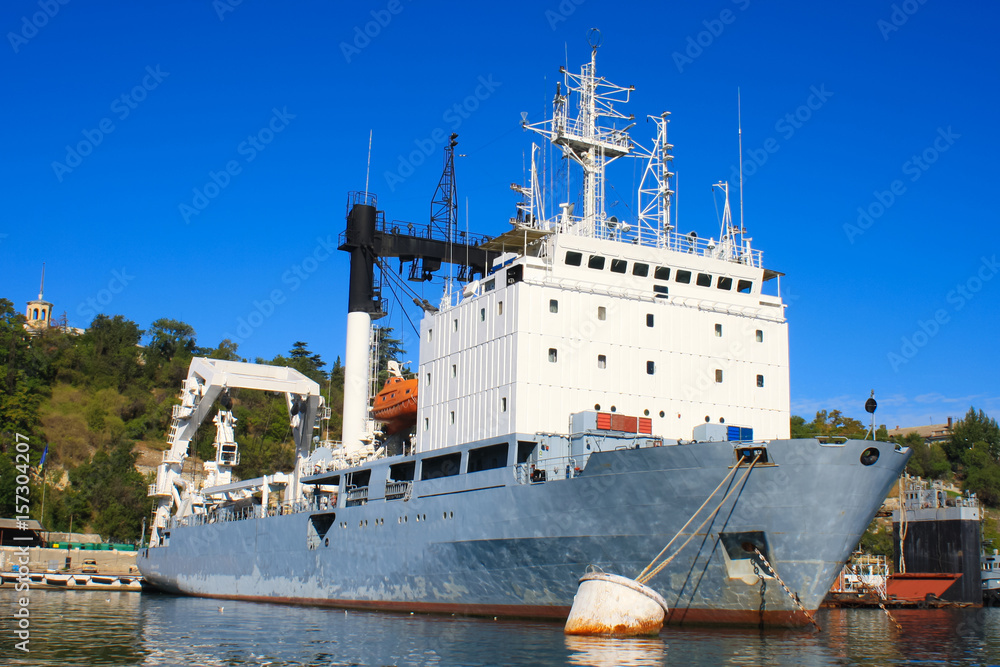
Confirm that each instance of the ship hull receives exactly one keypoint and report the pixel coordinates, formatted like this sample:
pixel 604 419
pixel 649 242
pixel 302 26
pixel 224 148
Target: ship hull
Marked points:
pixel 485 544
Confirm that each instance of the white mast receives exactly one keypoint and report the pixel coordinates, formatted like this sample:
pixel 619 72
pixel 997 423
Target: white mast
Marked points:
pixel 585 142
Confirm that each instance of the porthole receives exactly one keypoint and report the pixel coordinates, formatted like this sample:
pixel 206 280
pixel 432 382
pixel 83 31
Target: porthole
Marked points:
pixel 661 414
pixel 869 456
pixel 646 413
pixel 597 406
pixel 614 409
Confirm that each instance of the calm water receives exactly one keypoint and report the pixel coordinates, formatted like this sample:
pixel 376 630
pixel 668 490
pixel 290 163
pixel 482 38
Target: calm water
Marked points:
pixel 95 628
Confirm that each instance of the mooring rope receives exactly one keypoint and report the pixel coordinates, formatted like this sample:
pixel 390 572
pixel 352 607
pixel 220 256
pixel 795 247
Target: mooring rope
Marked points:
pixel 791 596
pixel 649 574
pixel 664 550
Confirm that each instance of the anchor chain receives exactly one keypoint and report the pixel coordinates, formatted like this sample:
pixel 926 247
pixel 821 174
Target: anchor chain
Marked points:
pixel 763 592
pixel 878 596
pixel 791 596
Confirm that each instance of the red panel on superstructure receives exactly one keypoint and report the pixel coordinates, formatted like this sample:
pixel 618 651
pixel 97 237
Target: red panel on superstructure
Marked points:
pixel 645 425
pixel 604 420
pixel 623 423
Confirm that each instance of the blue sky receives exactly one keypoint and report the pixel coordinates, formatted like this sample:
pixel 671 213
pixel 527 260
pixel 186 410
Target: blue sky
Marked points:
pixel 191 159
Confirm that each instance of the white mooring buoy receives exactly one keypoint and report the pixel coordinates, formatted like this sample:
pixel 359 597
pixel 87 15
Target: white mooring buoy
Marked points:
pixel 609 604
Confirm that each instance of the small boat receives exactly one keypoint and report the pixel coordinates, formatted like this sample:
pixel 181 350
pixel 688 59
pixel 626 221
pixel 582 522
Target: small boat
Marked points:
pixel 396 404
pixel 991 576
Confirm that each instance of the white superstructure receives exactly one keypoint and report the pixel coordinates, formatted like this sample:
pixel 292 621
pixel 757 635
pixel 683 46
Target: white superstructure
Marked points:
pixel 593 313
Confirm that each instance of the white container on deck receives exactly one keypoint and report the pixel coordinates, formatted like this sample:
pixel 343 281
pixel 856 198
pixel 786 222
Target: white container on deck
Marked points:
pixel 609 604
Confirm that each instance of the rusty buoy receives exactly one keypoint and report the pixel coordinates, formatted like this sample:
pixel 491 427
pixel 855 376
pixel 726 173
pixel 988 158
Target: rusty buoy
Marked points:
pixel 609 604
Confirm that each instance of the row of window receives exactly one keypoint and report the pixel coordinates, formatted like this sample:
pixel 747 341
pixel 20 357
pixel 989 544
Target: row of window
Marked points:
pixel 602 314
pixel 641 270
pixel 602 363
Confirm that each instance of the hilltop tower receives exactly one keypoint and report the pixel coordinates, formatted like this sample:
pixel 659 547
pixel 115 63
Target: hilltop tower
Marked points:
pixel 39 311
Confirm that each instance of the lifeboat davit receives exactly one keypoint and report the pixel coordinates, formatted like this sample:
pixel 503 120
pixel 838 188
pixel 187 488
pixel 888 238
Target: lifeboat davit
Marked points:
pixel 396 404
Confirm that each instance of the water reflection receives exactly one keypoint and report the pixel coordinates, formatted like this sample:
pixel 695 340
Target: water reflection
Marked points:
pixel 99 628
pixel 616 652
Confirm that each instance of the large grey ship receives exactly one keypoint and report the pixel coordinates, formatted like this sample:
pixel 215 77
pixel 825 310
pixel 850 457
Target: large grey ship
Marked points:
pixel 588 390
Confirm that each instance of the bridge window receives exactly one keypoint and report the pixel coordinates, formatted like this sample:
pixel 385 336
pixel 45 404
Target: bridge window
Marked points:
pixel 682 276
pixel 649 319
pixel 704 280
pixel 641 270
pixel 619 266
pixel 553 306
pixel 488 458
pixel 662 273
pixel 596 262
pixel 441 466
pixel 574 258
pixel 744 286
pixel 724 283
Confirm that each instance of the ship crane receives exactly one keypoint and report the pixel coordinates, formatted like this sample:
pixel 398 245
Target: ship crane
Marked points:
pixel 368 239
pixel 207 380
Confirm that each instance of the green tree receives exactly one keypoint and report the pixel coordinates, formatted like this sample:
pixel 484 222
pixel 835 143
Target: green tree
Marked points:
pixel 389 349
pixel 982 473
pixel 975 427
pixel 225 351
pixel 169 338
pixel 110 352
pixel 115 493
pixel 303 360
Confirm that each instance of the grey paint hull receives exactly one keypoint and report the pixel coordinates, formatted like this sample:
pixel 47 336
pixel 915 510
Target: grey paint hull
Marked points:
pixel 482 543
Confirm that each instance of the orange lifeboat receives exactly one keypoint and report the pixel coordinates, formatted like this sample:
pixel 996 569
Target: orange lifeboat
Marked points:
pixel 396 404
